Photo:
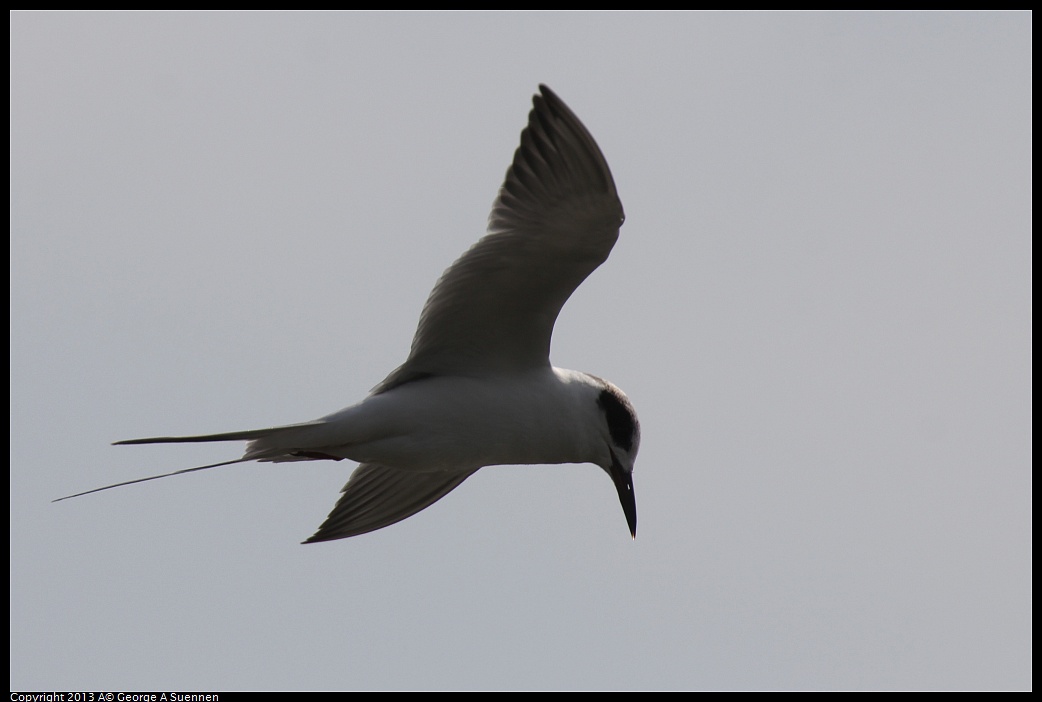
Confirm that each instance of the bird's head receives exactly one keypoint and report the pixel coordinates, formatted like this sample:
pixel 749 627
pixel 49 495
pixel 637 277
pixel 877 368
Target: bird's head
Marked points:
pixel 621 434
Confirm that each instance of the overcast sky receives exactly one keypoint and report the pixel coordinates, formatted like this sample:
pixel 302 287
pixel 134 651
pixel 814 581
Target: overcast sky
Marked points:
pixel 820 305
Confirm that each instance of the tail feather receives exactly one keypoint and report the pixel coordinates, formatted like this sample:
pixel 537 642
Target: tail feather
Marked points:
pixel 251 454
pixel 248 435
pixel 153 477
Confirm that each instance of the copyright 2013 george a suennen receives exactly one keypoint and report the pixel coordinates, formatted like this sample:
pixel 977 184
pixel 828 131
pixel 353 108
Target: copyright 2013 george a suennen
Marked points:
pixel 115 697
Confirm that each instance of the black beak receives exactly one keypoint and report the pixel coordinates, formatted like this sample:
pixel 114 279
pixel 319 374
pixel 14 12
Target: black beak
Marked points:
pixel 624 484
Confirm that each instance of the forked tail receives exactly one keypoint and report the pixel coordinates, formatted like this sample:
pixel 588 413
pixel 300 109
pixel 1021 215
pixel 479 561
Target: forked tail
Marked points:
pixel 249 435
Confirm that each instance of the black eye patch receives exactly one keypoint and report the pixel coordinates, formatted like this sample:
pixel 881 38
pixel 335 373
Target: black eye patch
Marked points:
pixel 621 423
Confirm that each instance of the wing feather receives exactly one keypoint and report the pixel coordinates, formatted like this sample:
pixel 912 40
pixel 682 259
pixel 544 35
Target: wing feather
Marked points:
pixel 555 220
pixel 377 496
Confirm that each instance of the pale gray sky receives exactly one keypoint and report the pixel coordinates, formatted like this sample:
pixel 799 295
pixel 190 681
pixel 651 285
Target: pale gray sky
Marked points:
pixel 820 305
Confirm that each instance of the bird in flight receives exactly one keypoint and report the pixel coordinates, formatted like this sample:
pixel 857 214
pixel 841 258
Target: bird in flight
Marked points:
pixel 477 388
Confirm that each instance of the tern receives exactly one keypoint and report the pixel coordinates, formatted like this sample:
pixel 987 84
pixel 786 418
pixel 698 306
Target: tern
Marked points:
pixel 477 388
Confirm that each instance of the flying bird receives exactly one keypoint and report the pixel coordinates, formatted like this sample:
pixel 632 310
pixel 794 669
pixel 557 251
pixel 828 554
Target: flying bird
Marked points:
pixel 477 388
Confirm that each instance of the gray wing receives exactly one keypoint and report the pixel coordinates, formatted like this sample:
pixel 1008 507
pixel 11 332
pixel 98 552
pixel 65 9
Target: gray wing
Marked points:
pixel 377 496
pixel 555 220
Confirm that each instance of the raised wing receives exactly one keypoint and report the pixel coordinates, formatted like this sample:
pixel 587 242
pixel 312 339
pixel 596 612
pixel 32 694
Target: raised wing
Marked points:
pixel 555 220
pixel 377 496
